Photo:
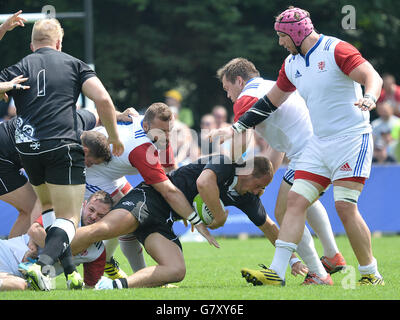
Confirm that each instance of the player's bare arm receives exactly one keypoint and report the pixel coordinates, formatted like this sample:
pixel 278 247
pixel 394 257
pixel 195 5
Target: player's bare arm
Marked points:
pixel 95 91
pixel 209 192
pixel 366 75
pixel 176 199
pixel 255 115
pixel 12 22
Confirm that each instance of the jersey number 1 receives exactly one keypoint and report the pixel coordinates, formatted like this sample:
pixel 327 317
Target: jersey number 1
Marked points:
pixel 41 83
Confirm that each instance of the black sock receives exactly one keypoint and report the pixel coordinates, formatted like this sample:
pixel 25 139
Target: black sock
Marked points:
pixel 67 262
pixel 55 244
pixel 120 283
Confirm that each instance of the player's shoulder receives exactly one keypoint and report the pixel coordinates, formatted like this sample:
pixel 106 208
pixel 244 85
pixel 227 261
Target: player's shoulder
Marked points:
pixel 256 85
pixel 328 43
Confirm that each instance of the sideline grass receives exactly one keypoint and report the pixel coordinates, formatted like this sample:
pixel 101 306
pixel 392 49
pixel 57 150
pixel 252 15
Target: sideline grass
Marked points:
pixel 214 274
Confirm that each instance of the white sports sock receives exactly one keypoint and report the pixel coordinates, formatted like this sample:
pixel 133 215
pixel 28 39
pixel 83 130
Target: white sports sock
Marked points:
pixel 282 255
pixel 111 245
pixel 309 255
pixel 318 219
pixel 372 268
pixel 133 251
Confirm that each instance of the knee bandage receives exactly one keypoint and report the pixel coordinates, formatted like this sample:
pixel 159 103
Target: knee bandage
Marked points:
pixel 345 194
pixel 305 189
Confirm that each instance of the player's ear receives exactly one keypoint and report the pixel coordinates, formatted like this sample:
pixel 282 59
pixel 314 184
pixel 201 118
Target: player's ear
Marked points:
pixel 32 47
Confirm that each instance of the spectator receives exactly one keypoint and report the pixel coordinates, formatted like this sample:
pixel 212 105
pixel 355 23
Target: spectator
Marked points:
pixel 173 99
pixel 391 93
pixel 221 116
pixel 385 122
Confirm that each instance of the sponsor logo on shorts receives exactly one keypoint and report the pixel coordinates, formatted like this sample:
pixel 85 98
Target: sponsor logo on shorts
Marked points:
pixel 346 167
pixel 128 203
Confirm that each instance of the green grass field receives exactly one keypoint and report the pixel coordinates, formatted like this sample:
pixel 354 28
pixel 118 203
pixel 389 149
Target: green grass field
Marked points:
pixel 214 274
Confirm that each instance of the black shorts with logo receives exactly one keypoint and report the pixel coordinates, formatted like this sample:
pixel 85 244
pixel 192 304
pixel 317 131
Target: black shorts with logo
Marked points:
pixel 60 162
pixel 11 177
pixel 151 210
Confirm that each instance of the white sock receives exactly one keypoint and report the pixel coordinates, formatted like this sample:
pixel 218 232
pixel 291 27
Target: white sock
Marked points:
pixel 309 255
pixel 111 245
pixel 282 255
pixel 318 219
pixel 370 269
pixel 133 251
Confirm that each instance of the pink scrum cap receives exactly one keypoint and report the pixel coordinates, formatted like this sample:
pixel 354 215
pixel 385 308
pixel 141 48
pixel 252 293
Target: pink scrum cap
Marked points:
pixel 296 23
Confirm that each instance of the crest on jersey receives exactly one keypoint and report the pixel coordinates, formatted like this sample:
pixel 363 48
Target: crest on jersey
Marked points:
pixel 321 65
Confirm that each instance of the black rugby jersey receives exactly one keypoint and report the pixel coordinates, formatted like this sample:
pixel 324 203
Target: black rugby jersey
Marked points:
pixel 185 179
pixel 8 152
pixel 48 109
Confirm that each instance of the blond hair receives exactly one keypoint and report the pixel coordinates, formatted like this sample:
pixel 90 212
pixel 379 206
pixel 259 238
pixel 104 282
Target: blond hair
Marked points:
pixel 47 32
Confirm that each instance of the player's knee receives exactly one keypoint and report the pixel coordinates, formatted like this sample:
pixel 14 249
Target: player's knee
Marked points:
pixel 302 188
pixel 177 273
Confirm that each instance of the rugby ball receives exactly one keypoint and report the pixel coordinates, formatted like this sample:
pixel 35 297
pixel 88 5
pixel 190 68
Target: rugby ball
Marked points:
pixel 202 210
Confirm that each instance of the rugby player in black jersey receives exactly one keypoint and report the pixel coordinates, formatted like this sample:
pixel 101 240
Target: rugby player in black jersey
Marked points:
pixel 48 140
pixel 144 213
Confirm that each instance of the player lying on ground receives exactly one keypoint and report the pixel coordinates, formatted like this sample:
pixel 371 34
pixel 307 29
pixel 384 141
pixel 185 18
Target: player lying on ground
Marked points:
pixel 17 250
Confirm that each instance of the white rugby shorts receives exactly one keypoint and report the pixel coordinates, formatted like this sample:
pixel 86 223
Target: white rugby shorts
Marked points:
pixel 339 157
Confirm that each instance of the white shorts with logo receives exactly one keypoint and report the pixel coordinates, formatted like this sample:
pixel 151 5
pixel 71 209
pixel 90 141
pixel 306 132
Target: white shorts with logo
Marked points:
pixel 339 157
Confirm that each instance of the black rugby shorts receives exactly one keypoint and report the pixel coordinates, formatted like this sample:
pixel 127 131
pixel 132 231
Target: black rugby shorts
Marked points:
pixel 57 162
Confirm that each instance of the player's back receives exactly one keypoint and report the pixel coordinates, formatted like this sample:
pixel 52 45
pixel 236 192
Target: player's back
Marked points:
pixel 289 128
pixel 105 176
pixel 48 109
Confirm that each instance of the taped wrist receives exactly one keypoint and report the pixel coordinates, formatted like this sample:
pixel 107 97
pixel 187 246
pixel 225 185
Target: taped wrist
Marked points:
pixel 260 111
pixel 194 218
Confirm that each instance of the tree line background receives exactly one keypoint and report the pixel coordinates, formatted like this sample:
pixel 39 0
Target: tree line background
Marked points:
pixel 142 48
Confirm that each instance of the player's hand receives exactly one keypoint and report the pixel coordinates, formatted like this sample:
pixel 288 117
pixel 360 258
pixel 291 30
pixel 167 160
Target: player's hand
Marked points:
pixel 218 222
pixel 127 115
pixel 202 229
pixel 14 21
pixel 299 268
pixel 366 103
pixel 4 97
pixel 14 84
pixel 117 146
pixel 223 134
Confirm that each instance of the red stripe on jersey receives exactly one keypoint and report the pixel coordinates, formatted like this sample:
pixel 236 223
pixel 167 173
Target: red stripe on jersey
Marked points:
pixel 283 82
pixel 92 271
pixel 124 190
pixel 167 157
pixel 321 180
pixel 145 159
pixel 354 179
pixel 243 104
pixel 347 57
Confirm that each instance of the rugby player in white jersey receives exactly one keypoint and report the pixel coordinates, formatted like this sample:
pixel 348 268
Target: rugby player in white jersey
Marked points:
pixel 16 250
pixel 148 153
pixel 328 74
pixel 286 132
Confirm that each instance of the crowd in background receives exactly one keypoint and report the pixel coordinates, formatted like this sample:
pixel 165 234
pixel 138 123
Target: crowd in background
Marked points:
pixel 189 144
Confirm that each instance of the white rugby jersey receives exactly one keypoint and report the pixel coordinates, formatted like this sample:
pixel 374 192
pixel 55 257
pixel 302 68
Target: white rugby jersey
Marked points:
pixel 321 78
pixel 140 156
pixel 288 128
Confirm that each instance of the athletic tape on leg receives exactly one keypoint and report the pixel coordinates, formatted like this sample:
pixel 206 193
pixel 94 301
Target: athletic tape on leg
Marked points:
pixel 345 194
pixel 305 189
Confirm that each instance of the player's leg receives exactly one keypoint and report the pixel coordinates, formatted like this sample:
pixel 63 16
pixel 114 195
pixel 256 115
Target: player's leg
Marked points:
pixel 133 251
pixel 356 154
pixel 10 282
pixel 346 195
pixel 23 199
pixel 171 264
pixel 301 195
pixel 116 223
